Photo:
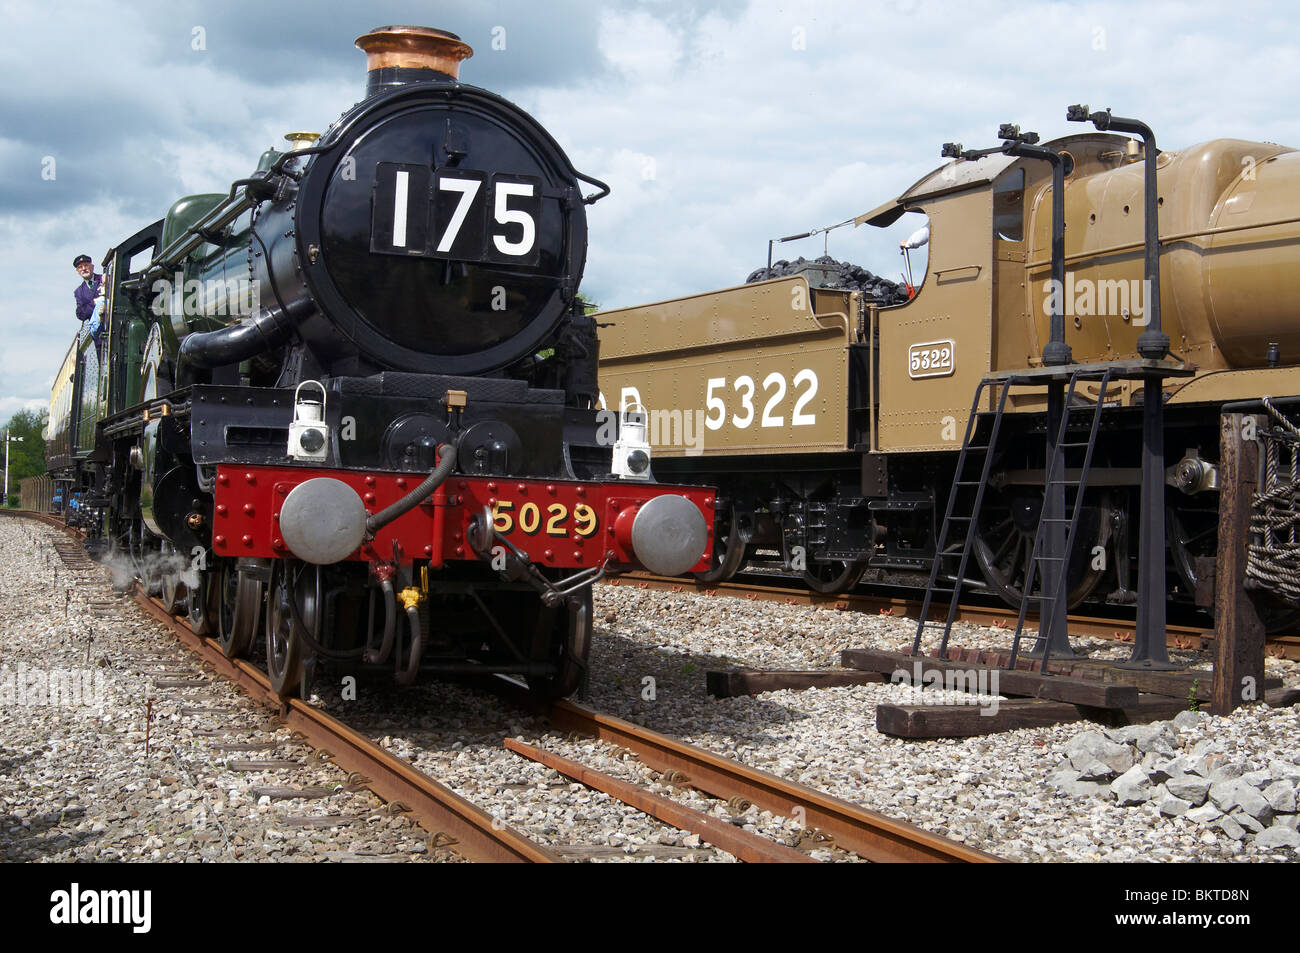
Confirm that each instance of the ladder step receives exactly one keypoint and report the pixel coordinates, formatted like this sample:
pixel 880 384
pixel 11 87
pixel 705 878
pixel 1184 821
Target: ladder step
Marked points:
pixel 967 482
pixel 976 446
pixel 1053 559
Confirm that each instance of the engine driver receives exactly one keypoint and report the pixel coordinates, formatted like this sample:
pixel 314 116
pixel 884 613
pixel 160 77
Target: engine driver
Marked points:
pixel 918 238
pixel 89 295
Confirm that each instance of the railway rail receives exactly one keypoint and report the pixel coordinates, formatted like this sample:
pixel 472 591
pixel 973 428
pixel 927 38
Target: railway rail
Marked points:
pixel 758 588
pixel 868 834
pixel 436 808
pixel 477 835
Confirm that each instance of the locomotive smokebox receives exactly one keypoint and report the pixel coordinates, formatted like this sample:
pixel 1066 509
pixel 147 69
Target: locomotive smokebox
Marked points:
pixel 398 55
pixel 434 229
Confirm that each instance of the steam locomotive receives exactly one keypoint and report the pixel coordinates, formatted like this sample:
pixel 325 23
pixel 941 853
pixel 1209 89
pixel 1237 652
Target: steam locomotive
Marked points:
pixel 351 402
pixel 832 422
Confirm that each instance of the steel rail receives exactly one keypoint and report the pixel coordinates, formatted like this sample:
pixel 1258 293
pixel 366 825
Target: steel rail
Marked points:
pixel 740 843
pixel 1178 636
pixel 871 835
pixel 868 834
pixel 438 809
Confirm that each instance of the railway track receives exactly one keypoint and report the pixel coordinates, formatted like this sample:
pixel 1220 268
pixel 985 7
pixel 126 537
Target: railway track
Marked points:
pixel 866 833
pixel 472 832
pixel 755 588
pixel 480 836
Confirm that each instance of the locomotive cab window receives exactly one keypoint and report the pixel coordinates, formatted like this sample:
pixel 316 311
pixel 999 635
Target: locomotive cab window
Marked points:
pixel 140 260
pixel 1009 207
pixel 915 247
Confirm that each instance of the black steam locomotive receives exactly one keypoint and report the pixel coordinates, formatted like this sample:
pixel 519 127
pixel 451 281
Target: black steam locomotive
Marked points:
pixel 352 401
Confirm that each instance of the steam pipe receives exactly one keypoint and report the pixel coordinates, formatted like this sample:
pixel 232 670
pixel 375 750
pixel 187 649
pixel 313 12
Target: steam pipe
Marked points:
pixel 446 463
pixel 407 676
pixel 264 330
pixel 1056 352
pixel 1152 343
pixel 193 237
pixel 390 623
pixel 1149 649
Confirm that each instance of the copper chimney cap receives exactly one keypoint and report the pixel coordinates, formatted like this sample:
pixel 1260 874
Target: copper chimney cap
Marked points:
pixel 413 47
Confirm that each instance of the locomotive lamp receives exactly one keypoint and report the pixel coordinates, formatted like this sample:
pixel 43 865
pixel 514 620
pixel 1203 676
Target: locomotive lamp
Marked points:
pixel 308 434
pixel 631 450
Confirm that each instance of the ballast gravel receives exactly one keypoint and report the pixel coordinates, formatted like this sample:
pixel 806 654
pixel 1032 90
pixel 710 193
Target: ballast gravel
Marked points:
pixel 992 792
pixel 75 777
pixel 116 746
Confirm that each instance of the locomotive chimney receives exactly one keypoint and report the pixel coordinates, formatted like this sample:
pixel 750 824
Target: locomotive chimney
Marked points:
pixel 398 55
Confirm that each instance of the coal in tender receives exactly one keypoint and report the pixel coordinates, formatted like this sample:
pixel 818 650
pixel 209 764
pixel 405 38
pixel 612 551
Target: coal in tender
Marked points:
pixel 828 272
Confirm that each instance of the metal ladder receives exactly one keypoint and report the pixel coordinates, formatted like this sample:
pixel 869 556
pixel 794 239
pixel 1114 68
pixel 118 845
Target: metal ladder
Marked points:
pixel 950 519
pixel 1057 473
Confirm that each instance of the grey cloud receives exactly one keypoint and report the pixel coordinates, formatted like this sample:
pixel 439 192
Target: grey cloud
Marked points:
pixel 546 43
pixel 745 131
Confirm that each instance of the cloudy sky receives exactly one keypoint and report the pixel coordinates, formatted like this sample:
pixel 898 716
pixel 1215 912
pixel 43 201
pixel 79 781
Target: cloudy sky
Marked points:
pixel 719 124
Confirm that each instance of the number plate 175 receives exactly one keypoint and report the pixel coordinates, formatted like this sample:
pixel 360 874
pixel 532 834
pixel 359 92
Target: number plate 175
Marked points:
pixel 931 359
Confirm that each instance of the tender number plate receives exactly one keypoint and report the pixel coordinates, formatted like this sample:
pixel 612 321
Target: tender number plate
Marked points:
pixel 931 359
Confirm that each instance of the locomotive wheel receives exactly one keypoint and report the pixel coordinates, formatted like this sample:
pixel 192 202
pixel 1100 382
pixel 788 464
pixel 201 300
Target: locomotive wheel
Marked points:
pixel 287 653
pixel 563 634
pixel 145 560
pixel 202 604
pixel 1004 543
pixel 833 577
pixel 174 592
pixel 728 552
pixel 239 602
pixel 1192 532
pixel 118 557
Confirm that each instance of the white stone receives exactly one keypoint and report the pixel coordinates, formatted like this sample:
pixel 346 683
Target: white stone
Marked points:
pixel 1281 797
pixel 1190 788
pixel 1204 814
pixel 1224 793
pixel 1131 787
pixel 1277 837
pixel 1092 745
pixel 1172 806
pixel 1230 827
